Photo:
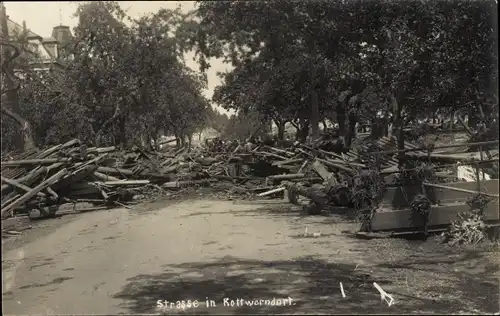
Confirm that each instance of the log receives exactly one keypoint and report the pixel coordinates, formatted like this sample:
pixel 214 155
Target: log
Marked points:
pixel 70 143
pixel 10 200
pixel 170 169
pixel 33 162
pixel 27 179
pixel 29 195
pixel 167 141
pixel 178 184
pixel 104 177
pixel 54 166
pixel 95 160
pixel 342 162
pixel 101 150
pixel 287 162
pixel 281 151
pixel 127 182
pixel 303 166
pixel 52 193
pixel 287 176
pixel 115 171
pixel 334 165
pixel 271 191
pixel 270 154
pixel 18 185
pixel 49 151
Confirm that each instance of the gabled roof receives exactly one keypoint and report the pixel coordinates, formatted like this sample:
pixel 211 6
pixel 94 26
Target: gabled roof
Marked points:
pixel 15 29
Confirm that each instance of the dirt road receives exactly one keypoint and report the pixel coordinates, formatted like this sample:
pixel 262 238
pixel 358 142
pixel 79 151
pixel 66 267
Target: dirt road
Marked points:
pixel 124 261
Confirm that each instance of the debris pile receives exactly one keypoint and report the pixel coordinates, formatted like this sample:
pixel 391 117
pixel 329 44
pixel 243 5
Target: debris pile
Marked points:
pixel 74 176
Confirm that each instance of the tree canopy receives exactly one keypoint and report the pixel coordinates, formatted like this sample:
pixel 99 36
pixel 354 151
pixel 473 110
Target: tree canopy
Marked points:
pixel 347 61
pixel 405 59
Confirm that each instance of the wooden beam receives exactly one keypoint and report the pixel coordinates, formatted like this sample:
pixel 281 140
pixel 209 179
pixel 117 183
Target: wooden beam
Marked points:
pixel 28 196
pixel 440 215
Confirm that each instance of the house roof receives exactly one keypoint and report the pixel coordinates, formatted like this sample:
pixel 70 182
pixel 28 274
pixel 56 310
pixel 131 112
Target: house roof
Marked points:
pixel 15 29
pixel 49 40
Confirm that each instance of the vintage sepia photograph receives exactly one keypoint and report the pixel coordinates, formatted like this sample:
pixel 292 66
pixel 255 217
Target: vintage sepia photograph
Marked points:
pixel 250 157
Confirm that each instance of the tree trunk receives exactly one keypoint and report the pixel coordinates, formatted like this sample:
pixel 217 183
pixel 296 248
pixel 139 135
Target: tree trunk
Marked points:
pixel 351 133
pixel 177 139
pixel 189 139
pixel 398 128
pixel 23 137
pixel 122 131
pixel 303 130
pixel 341 119
pixel 281 129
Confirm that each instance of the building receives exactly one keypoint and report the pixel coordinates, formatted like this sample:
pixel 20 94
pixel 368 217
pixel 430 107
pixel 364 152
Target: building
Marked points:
pixel 46 53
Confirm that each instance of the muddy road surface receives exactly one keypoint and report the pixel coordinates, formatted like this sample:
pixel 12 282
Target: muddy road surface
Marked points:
pixel 213 257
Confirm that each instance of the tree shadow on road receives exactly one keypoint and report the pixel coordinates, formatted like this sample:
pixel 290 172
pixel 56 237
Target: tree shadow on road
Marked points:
pixel 313 284
pixel 465 278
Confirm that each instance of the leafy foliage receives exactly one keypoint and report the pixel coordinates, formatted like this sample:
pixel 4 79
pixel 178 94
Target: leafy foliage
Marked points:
pixel 403 59
pixel 121 84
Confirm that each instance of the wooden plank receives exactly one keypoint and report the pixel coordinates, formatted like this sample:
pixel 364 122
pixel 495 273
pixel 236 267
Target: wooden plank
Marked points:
pixel 271 192
pixel 104 177
pixel 287 176
pixel 440 215
pixel 115 171
pixel 126 182
pixel 26 197
pixel 458 189
pixel 21 186
pixel 401 197
pixel 321 170
pixel 287 162
pixel 33 162
pixel 454 157
pixel 27 179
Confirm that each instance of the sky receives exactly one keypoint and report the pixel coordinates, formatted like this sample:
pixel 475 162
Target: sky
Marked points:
pixel 41 17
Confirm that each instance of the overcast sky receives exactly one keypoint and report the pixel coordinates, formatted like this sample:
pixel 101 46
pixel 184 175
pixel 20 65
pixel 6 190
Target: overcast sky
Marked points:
pixel 41 17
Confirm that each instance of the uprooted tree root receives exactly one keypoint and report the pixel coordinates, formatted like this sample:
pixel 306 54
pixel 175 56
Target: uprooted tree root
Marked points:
pixel 470 227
